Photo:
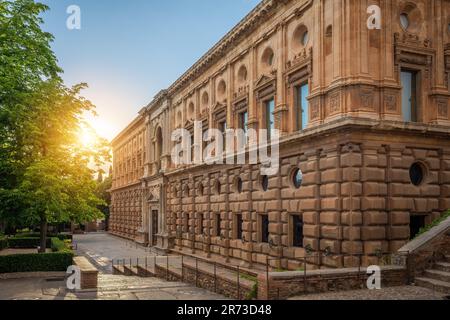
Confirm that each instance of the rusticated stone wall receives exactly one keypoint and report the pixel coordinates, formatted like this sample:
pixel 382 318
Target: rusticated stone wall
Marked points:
pixel 356 199
pixel 284 285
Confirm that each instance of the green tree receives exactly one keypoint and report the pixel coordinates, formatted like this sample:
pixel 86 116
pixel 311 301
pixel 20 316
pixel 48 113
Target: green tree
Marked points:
pixel 45 173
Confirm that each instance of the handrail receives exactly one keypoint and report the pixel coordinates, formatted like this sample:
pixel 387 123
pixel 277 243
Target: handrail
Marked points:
pixel 425 238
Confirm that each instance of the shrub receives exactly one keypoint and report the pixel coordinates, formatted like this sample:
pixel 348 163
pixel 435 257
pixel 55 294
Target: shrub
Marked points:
pixel 26 243
pixel 434 223
pixel 44 262
pixel 3 243
pixel 58 245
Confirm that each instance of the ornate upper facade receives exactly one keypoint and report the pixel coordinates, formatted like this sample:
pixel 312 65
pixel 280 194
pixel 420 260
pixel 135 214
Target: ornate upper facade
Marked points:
pixel 364 153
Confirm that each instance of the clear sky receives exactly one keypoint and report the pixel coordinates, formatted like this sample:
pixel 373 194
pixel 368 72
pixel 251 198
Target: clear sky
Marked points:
pixel 128 50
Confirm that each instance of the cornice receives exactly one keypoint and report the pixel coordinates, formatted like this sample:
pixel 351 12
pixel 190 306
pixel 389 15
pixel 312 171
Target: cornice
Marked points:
pixel 243 28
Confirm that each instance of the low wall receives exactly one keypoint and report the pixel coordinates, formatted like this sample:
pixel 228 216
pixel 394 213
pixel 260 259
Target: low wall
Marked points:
pixel 206 280
pixel 424 251
pixel 161 272
pixel 283 285
pixel 89 274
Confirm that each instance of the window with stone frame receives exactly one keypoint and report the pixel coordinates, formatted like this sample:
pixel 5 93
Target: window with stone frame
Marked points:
pixel 237 224
pixel 269 117
pixel 200 223
pixel 296 230
pixel 264 228
pixel 217 225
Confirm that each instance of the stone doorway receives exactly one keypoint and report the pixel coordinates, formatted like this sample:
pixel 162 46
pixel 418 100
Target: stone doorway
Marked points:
pixel 154 227
pixel 416 223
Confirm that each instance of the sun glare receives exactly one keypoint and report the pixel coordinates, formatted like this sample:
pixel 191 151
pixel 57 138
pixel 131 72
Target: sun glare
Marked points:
pixel 87 137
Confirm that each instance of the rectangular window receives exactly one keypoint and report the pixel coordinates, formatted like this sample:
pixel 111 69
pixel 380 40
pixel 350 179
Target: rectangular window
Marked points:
pixel 238 226
pixel 218 222
pixel 200 223
pixel 223 129
pixel 302 111
pixel 297 231
pixel 269 116
pixel 264 228
pixel 243 121
pixel 409 96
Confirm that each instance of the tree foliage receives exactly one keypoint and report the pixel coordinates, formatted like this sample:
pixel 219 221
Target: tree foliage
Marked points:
pixel 44 171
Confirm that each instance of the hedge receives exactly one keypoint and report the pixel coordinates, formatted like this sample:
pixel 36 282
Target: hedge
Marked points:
pixel 36 262
pixel 27 243
pixel 3 244
pixel 38 235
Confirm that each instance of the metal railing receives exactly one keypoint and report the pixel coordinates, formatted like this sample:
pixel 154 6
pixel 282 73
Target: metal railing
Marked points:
pixel 176 268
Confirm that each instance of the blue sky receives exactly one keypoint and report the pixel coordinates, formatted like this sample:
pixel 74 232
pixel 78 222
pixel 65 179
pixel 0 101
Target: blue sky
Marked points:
pixel 128 50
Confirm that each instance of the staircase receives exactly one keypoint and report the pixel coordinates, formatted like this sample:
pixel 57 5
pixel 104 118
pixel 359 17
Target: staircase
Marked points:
pixel 437 278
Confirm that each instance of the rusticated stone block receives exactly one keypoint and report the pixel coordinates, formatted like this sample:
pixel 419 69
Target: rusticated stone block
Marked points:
pixel 373 233
pixel 311 231
pixel 373 203
pixel 351 188
pixel 353 203
pixel 351 159
pixel 351 174
pixel 375 218
pixel 353 247
pixel 399 232
pixel 329 190
pixel 330 232
pixel 400 218
pixel 329 218
pixel 375 189
pixel 351 233
pixel 330 203
pixel 402 204
pixel 333 245
pixel 373 247
pixel 329 176
pixel 351 218
pixel 373 174
pixel 311 218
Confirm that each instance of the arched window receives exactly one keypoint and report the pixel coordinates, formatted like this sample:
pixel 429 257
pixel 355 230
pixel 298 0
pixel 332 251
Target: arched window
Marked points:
pixel 268 57
pixel 242 74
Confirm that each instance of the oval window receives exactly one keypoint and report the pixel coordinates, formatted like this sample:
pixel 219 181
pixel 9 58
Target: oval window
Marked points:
pixel 239 185
pixel 417 174
pixel 404 21
pixel 297 178
pixel 305 38
pixel 265 183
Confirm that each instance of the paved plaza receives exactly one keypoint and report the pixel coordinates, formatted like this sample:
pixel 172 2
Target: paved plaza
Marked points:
pixel 100 249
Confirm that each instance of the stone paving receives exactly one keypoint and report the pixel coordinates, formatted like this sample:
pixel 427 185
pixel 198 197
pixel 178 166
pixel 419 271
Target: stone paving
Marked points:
pixel 110 288
pixel 100 249
pixel 393 293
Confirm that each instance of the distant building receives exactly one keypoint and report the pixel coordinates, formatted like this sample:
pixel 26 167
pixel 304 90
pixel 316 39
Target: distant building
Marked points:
pixel 365 147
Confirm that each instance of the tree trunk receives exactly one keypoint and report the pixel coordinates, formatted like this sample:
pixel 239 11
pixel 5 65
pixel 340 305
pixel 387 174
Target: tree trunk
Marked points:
pixel 44 226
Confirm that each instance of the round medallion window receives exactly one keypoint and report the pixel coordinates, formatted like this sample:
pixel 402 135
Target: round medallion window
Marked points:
pixel 417 174
pixel 265 183
pixel 297 178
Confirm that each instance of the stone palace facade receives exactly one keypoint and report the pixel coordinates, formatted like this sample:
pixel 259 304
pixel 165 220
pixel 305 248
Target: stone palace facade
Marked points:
pixel 365 137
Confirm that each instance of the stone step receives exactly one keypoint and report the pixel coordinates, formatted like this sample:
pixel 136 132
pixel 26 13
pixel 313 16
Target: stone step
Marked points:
pixel 433 284
pixel 447 258
pixel 442 266
pixel 438 275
